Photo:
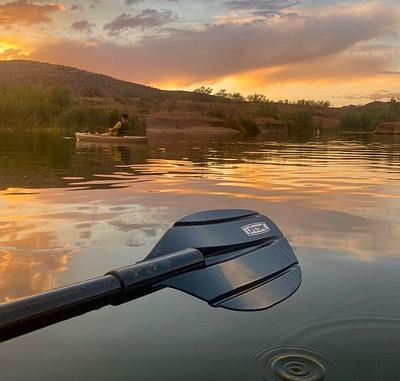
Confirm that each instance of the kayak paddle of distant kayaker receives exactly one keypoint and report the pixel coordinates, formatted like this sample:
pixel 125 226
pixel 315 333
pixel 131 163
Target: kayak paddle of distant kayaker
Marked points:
pixel 122 128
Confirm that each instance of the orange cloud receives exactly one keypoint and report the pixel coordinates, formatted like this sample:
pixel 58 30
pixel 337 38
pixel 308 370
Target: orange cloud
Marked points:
pixel 12 54
pixel 26 12
pixel 12 48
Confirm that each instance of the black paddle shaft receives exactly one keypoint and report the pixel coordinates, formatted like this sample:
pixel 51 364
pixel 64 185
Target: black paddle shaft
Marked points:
pixel 116 287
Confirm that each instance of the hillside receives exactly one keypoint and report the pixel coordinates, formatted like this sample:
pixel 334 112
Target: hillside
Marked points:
pixel 80 82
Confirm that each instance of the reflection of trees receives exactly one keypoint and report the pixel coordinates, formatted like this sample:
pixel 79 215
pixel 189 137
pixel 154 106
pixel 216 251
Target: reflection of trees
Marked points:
pixel 39 160
pixel 32 160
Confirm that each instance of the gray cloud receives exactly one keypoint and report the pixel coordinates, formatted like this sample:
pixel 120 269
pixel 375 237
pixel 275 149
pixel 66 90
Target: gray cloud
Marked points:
pixel 338 68
pixel 145 19
pixel 94 3
pixel 383 95
pixel 259 4
pixel 76 7
pixel 131 2
pixel 83 26
pixel 376 96
pixel 390 72
pixel 262 8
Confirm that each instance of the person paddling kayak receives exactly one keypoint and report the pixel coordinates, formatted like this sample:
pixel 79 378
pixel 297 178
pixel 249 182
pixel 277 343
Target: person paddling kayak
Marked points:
pixel 122 128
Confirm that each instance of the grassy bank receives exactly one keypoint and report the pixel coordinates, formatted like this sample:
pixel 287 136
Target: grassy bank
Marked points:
pixel 29 107
pixel 26 107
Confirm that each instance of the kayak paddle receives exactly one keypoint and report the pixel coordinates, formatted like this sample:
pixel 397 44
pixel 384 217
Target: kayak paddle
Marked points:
pixel 234 259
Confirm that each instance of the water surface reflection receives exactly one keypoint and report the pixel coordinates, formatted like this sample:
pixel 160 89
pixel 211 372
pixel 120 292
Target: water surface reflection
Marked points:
pixel 72 211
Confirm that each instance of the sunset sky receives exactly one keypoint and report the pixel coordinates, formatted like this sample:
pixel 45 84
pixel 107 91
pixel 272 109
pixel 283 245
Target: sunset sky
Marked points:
pixel 346 52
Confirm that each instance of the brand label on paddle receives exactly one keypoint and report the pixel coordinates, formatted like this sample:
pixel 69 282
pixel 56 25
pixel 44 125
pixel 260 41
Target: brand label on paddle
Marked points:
pixel 256 228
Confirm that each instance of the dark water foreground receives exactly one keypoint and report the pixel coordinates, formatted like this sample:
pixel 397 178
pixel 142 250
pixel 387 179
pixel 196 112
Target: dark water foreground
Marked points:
pixel 74 211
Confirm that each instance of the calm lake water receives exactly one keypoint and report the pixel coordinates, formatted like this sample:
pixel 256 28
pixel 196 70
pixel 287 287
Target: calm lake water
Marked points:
pixel 73 211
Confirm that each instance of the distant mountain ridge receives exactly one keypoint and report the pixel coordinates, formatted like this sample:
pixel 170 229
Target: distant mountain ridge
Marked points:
pixel 80 82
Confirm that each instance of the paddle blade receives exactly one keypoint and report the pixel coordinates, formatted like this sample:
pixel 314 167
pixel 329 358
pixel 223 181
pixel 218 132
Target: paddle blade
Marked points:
pixel 249 264
pixel 265 295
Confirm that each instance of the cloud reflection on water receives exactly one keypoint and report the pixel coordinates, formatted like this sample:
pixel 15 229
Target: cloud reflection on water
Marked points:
pixel 337 195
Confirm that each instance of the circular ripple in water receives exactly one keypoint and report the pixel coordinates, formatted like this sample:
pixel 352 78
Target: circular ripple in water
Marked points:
pixel 365 346
pixel 294 364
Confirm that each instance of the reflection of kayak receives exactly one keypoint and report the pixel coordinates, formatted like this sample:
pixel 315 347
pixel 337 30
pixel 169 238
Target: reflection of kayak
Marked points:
pixel 80 136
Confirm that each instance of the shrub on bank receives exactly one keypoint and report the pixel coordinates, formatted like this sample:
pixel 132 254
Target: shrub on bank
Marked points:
pixel 268 110
pixel 28 107
pixel 22 106
pixel 297 120
pixel 218 111
pixel 95 119
pixel 87 119
pixel 242 124
pixel 359 119
pixel 351 121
